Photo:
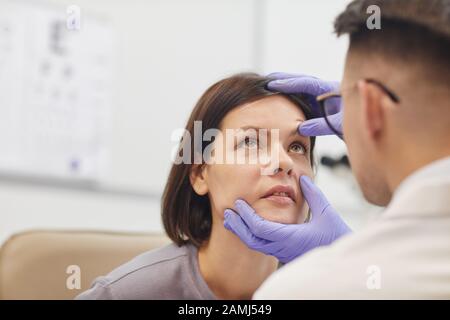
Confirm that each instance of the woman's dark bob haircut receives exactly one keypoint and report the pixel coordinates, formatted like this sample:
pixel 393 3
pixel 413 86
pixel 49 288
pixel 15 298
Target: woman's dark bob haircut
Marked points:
pixel 187 216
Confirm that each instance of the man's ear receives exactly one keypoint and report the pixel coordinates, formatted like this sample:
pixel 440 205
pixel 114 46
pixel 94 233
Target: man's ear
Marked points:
pixel 197 177
pixel 372 111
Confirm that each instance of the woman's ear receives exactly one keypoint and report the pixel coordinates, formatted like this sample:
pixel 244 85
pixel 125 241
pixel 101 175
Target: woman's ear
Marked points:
pixel 371 108
pixel 197 178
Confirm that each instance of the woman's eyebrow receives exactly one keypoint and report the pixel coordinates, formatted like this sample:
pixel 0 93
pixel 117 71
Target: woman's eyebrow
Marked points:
pixel 252 127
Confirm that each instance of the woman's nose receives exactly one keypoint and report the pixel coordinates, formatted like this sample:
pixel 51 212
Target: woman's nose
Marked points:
pixel 285 163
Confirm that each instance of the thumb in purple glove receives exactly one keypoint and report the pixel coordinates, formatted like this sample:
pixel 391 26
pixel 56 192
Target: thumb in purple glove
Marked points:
pixel 319 126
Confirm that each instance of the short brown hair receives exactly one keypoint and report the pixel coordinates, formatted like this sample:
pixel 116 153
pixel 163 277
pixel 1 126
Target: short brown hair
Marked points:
pixel 186 215
pixel 411 30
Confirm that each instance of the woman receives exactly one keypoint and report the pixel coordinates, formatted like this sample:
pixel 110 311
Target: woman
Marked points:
pixel 206 261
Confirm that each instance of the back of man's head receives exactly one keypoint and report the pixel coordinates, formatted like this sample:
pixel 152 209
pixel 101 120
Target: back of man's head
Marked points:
pixel 410 54
pixel 411 31
pixel 411 50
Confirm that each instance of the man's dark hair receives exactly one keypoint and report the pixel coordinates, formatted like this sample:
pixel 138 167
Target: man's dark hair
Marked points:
pixel 411 31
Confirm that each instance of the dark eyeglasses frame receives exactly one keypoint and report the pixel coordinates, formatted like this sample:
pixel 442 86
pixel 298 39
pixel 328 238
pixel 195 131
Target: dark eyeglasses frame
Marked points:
pixel 323 97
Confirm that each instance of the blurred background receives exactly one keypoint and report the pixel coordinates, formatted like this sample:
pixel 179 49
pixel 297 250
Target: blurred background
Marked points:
pixel 91 91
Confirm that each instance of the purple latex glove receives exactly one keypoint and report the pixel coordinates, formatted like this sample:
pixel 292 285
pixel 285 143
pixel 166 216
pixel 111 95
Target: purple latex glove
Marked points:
pixel 311 87
pixel 287 241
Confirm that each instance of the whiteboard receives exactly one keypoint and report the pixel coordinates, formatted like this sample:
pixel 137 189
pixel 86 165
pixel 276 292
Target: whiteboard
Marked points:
pixel 55 92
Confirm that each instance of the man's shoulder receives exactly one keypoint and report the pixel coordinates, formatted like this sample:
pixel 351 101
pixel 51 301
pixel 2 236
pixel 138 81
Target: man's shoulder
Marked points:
pixel 387 253
pixel 143 277
pixel 320 273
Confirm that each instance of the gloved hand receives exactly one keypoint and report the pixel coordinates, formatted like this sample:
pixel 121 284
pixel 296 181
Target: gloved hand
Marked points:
pixel 311 87
pixel 287 241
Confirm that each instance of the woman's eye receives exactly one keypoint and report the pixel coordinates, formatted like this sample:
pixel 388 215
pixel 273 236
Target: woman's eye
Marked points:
pixel 249 142
pixel 297 148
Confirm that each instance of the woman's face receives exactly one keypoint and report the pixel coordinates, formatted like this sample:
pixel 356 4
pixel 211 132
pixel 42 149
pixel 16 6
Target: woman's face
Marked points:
pixel 275 196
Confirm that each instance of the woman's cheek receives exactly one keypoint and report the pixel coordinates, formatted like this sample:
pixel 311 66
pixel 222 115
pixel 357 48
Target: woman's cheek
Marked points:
pixel 231 182
pixel 243 181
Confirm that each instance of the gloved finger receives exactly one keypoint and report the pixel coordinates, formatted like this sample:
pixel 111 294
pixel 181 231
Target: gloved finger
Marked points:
pixel 314 197
pixel 333 105
pixel 234 223
pixel 280 252
pixel 307 85
pixel 320 127
pixel 260 227
pixel 285 75
pixel 315 127
pixel 336 120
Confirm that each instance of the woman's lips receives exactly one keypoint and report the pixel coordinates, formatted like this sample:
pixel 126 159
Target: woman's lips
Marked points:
pixel 281 194
pixel 281 200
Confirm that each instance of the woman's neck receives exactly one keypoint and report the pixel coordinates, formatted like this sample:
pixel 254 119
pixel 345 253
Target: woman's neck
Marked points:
pixel 230 268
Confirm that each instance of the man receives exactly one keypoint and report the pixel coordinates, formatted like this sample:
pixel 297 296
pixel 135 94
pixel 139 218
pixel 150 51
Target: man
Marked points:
pixel 396 124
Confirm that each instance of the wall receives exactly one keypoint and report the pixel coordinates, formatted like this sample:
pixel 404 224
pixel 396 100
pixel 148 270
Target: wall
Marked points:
pixel 167 53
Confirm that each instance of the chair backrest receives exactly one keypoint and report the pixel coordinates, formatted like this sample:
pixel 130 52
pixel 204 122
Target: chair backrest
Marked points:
pixel 52 264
